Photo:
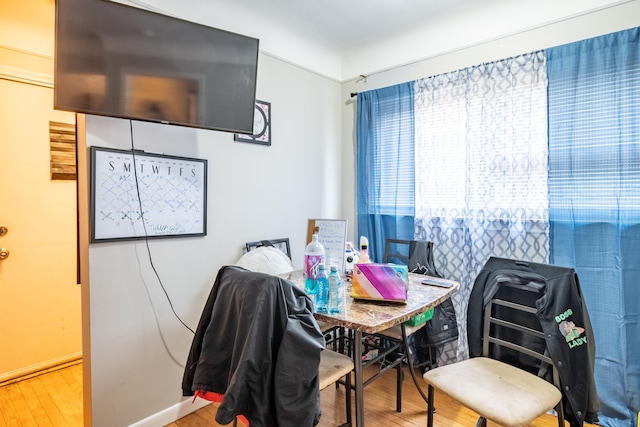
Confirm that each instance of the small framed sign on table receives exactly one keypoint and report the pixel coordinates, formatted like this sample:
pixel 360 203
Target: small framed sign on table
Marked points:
pixel 261 125
pixel 332 235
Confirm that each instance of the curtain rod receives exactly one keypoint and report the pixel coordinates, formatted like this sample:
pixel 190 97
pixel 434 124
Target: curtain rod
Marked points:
pixel 361 78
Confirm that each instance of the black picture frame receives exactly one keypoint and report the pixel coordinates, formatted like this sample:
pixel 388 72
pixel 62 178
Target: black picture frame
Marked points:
pixel 138 195
pixel 261 125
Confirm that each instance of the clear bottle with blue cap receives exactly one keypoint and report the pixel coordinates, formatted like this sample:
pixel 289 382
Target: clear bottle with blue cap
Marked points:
pixel 322 294
pixel 335 288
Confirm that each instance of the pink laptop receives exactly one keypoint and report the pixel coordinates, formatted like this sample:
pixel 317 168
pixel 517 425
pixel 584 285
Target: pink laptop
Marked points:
pixel 380 282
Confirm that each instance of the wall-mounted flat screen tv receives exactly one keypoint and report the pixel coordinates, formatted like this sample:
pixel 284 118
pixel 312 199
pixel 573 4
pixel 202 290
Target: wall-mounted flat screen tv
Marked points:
pixel 120 61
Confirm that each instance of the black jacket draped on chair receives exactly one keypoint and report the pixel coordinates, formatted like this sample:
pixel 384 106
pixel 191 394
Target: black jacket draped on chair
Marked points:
pixel 563 316
pixel 258 345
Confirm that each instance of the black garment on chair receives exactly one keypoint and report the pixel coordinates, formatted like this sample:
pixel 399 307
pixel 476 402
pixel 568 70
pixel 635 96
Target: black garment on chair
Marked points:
pixel 258 344
pixel 421 258
pixel 443 326
pixel 561 301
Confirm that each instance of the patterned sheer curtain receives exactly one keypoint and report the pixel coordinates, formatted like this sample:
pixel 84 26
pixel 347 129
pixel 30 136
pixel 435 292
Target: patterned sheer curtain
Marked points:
pixel 481 170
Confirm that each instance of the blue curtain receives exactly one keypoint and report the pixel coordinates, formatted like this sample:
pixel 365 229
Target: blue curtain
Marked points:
pixel 384 161
pixel 594 201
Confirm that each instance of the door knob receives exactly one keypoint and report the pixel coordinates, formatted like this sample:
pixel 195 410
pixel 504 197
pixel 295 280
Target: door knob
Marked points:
pixel 4 254
pixel 3 230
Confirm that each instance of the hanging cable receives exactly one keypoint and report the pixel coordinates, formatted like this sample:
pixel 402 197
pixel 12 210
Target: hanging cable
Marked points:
pixel 146 236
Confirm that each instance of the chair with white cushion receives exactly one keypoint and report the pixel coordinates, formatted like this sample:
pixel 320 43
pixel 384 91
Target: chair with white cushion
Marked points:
pixel 272 257
pixel 493 385
pixel 265 257
pixel 418 255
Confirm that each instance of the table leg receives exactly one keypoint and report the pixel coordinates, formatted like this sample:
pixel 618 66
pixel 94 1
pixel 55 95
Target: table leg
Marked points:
pixel 359 378
pixel 405 341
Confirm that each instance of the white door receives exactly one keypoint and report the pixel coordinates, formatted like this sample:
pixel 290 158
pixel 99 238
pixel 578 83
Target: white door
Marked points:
pixel 40 324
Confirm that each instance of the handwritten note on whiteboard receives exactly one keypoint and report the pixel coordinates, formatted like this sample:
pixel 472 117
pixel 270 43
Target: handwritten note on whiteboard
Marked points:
pixel 332 234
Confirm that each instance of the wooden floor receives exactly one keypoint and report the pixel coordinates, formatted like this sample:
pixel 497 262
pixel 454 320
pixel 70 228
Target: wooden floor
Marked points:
pixel 54 399
pixel 380 410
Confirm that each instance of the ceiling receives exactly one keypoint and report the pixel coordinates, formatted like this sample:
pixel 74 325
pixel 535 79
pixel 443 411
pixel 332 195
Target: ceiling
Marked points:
pixel 342 39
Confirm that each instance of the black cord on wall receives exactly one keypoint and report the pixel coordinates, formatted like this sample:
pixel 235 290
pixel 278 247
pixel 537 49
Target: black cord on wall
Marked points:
pixel 146 236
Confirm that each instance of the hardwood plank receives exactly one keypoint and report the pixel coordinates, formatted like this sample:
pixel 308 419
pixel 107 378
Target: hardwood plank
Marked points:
pixel 46 400
pixel 37 411
pixel 3 421
pixel 64 397
pixel 73 377
pixel 21 407
pixel 8 415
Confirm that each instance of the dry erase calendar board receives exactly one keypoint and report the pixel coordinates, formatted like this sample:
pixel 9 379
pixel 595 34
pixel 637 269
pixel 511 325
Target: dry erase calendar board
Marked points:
pixel 138 195
pixel 332 234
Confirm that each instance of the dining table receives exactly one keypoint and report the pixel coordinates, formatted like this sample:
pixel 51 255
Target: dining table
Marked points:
pixel 371 317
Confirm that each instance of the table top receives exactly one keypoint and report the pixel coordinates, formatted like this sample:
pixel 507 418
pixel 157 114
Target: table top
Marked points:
pixel 375 316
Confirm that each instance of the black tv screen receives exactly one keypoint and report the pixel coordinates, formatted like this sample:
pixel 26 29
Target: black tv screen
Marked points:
pixel 121 61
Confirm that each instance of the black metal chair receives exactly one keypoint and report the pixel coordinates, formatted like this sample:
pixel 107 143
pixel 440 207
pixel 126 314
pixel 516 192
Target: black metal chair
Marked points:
pixel 496 384
pixel 418 255
pixel 282 244
pixel 335 367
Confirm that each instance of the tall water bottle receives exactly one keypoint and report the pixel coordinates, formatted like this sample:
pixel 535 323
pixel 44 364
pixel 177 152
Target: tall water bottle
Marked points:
pixel 335 283
pixel 313 257
pixel 323 290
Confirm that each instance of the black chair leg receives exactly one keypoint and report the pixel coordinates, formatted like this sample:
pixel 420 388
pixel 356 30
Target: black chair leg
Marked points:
pixel 348 397
pixel 430 406
pixel 399 387
pixel 560 413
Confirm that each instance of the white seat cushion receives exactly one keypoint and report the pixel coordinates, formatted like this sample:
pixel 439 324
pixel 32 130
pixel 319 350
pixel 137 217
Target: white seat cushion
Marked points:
pixel 266 259
pixel 333 366
pixel 500 392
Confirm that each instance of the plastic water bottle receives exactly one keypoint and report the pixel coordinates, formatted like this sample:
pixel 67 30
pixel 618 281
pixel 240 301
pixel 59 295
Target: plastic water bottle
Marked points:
pixel 335 283
pixel 323 290
pixel 313 257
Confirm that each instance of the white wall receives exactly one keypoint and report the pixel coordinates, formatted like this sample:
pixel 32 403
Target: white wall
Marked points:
pixel 616 18
pixel 138 348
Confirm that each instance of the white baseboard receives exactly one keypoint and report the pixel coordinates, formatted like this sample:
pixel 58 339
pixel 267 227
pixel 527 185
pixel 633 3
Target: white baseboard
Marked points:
pixel 173 413
pixel 47 364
